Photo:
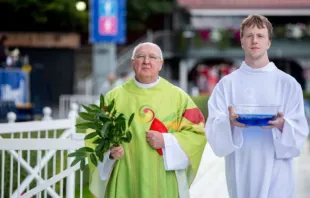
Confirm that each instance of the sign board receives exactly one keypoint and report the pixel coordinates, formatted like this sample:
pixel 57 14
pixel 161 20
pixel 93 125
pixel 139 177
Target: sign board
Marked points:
pixel 14 86
pixel 107 21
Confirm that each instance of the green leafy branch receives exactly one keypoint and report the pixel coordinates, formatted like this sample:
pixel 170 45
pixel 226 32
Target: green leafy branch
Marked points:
pixel 111 129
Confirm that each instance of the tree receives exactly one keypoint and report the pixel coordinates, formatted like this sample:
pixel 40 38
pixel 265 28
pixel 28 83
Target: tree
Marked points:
pixel 42 15
pixel 61 15
pixel 140 11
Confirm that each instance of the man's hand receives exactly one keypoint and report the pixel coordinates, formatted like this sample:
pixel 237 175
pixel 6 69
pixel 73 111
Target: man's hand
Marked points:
pixel 277 123
pixel 155 139
pixel 233 118
pixel 117 152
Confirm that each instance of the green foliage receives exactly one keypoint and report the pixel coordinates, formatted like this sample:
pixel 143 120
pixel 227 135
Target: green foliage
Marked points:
pixel 139 11
pixel 110 130
pixel 306 95
pixel 62 15
pixel 202 104
pixel 45 15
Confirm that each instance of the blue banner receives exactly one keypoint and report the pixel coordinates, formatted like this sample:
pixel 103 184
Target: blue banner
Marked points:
pixel 108 21
pixel 14 86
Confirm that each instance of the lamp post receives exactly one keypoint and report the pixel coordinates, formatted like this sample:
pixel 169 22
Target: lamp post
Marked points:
pixel 187 34
pixel 80 6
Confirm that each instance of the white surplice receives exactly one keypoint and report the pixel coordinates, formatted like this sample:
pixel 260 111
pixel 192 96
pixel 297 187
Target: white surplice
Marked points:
pixel 258 161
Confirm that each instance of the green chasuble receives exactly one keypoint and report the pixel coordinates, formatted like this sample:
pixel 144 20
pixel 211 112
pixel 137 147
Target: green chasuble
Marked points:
pixel 141 172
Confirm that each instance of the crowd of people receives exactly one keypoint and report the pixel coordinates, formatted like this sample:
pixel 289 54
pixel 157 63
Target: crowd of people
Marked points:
pixel 209 75
pixel 11 58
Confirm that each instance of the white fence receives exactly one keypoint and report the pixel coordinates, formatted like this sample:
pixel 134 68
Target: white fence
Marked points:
pixel 33 158
pixel 67 102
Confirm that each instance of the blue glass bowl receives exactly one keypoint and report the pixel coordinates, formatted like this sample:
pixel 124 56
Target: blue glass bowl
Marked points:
pixel 256 115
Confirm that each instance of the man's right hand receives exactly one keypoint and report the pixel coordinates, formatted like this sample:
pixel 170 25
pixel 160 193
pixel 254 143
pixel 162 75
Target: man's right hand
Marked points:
pixel 233 118
pixel 116 153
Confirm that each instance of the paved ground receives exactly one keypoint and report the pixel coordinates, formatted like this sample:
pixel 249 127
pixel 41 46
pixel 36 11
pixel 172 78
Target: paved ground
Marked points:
pixel 303 173
pixel 213 167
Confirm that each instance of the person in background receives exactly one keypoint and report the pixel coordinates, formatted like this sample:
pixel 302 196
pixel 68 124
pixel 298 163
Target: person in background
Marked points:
pixel 3 54
pixel 124 76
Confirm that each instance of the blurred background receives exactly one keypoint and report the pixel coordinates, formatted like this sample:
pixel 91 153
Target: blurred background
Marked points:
pixel 55 51
pixel 59 52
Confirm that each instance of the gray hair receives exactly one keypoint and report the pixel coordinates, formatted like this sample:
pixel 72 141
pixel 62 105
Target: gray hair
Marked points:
pixel 147 43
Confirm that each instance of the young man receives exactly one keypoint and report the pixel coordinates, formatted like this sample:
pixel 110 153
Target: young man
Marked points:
pixel 135 169
pixel 259 160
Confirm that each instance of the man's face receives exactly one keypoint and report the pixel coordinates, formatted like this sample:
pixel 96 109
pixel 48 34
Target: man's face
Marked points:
pixel 146 62
pixel 255 42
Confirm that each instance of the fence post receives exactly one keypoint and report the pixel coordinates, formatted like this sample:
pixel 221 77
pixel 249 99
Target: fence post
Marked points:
pixel 70 187
pixel 47 114
pixel 73 113
pixel 11 116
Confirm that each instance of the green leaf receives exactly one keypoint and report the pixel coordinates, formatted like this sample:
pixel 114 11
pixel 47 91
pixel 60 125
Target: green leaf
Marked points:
pixel 82 164
pixel 123 126
pixel 101 101
pixel 80 154
pixel 110 107
pixel 87 116
pixel 103 120
pixel 95 107
pixel 129 136
pixel 90 136
pixel 71 154
pixel 76 161
pixel 100 146
pixel 97 141
pixel 87 125
pixel 106 147
pixel 105 129
pixel 130 119
pixel 125 139
pixel 114 112
pixel 93 159
pixel 88 109
pixel 86 149
pixel 100 155
pixel 102 115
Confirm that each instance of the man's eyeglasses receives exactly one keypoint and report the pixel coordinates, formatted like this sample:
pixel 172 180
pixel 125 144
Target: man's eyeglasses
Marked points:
pixel 151 57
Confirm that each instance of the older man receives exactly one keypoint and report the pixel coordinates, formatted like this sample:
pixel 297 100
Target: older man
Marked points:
pixel 137 170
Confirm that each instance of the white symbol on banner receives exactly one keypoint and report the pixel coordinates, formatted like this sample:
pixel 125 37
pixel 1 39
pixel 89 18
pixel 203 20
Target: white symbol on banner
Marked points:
pixel 108 25
pixel 107 7
pixel 17 94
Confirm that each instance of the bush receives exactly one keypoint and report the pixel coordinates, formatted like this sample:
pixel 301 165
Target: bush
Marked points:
pixel 202 104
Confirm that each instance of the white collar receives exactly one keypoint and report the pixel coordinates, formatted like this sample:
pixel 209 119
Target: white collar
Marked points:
pixel 142 85
pixel 269 67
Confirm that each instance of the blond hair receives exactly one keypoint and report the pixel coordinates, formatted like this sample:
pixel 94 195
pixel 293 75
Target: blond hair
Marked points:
pixel 258 21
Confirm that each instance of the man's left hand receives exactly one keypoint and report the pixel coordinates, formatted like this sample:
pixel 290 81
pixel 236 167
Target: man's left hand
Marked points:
pixel 277 123
pixel 155 139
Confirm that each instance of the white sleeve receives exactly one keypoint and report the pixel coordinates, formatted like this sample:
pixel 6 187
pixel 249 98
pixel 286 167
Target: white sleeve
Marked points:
pixel 289 142
pixel 174 157
pixel 222 138
pixel 105 168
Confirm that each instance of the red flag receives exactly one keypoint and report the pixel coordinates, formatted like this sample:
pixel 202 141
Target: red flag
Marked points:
pixel 160 127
